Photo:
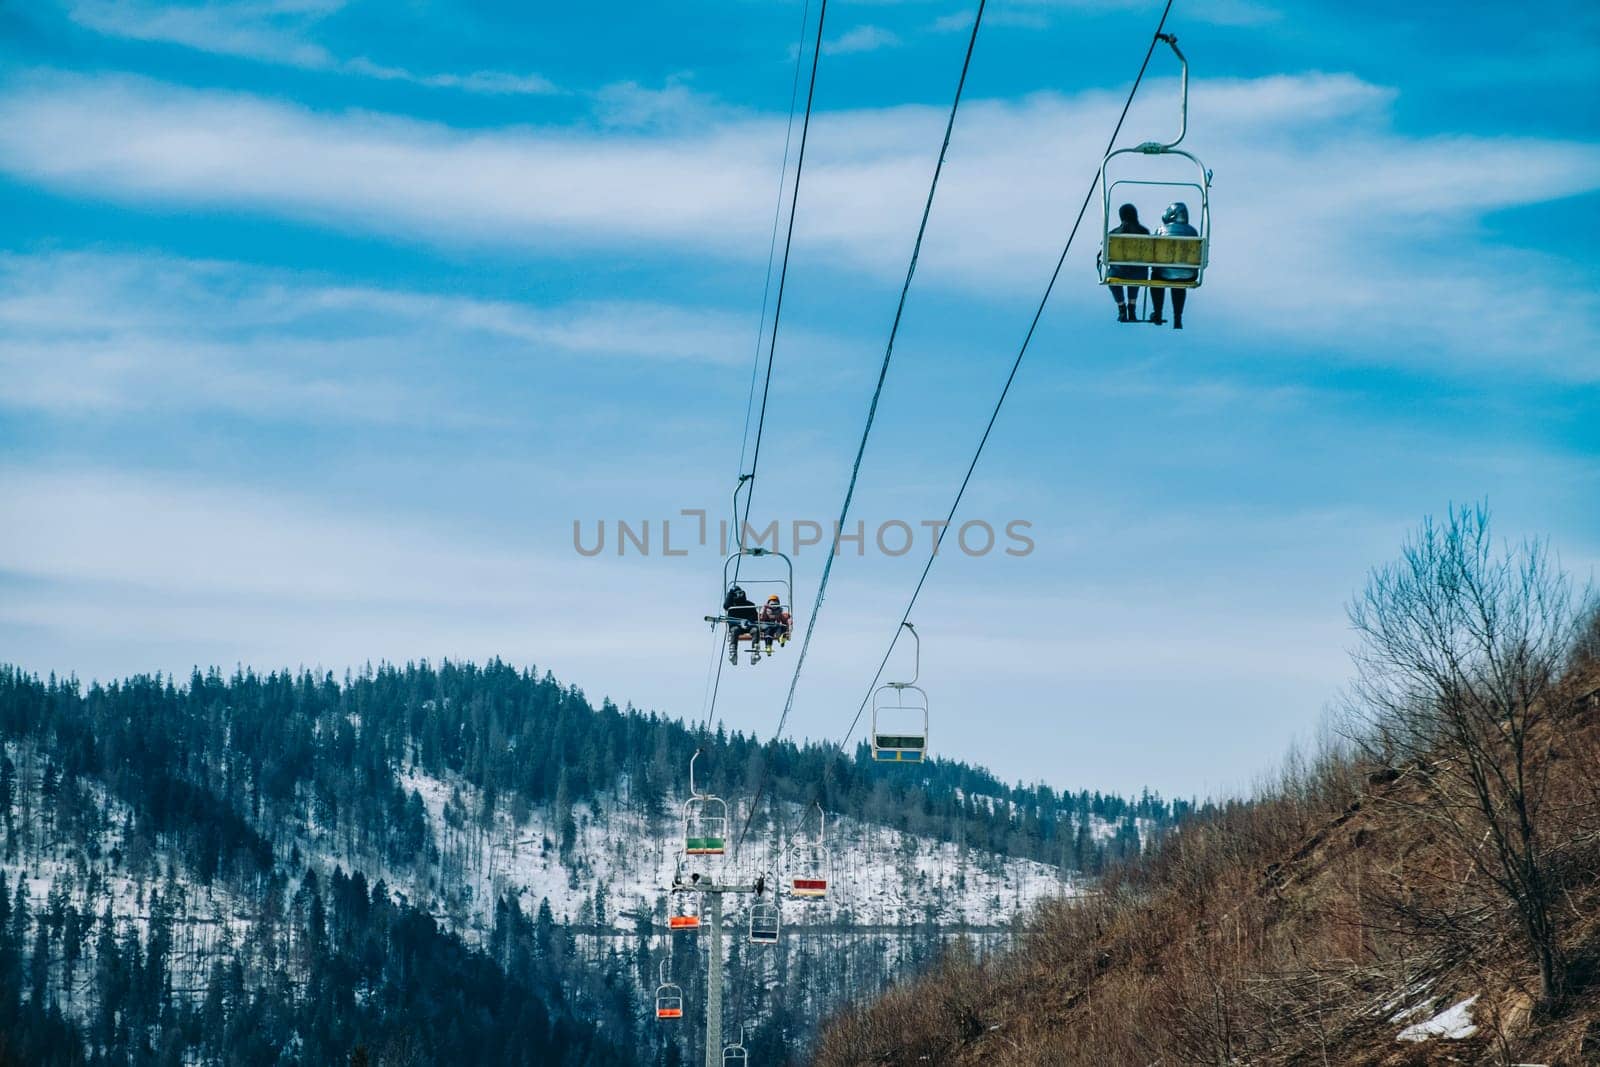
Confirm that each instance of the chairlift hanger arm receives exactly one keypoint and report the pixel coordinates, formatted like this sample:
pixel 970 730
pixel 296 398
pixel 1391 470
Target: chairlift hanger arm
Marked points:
pixel 744 480
pixel 1156 147
pixel 916 663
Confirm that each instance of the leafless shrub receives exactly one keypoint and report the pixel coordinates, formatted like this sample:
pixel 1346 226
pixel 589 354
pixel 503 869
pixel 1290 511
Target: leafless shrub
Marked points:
pixel 1462 651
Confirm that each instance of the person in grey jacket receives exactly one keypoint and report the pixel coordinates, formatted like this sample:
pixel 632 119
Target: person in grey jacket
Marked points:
pixel 1174 223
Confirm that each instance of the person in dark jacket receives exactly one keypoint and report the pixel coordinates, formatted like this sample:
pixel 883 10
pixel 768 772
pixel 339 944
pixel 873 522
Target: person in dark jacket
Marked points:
pixel 1174 223
pixel 740 611
pixel 1128 308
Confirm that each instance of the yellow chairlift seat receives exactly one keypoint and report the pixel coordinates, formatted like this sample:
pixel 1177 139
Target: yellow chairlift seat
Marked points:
pixel 1156 252
pixel 1153 251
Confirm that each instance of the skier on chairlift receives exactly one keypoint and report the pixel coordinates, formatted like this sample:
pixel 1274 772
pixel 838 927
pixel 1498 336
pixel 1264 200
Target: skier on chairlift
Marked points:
pixel 1128 310
pixel 775 622
pixel 741 614
pixel 1174 223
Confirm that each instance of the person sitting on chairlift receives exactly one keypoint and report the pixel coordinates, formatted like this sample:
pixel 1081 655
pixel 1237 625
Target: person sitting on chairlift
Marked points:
pixel 775 622
pixel 1128 311
pixel 1174 223
pixel 741 614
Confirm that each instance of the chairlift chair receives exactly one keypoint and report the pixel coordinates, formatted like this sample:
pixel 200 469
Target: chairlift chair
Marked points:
pixel 810 865
pixel 900 717
pixel 681 918
pixel 734 1055
pixel 669 997
pixel 769 581
pixel 1163 252
pixel 764 923
pixel 705 820
pixel 766 580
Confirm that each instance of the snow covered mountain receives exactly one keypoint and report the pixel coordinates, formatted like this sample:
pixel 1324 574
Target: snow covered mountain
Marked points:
pixel 289 870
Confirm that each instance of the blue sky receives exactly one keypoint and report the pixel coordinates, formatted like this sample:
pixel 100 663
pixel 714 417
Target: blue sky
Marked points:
pixel 321 323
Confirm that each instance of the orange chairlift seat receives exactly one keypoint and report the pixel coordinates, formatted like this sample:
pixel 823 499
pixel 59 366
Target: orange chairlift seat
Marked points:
pixel 669 997
pixel 681 918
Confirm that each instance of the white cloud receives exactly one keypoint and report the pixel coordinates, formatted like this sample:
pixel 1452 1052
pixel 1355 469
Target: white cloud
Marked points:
pixel 485 82
pixel 860 39
pixel 85 333
pixel 277 32
pixel 674 106
pixel 1324 215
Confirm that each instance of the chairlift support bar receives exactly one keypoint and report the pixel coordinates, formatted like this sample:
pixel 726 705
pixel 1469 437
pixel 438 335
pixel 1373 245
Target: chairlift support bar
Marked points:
pixel 738 525
pixel 692 790
pixel 758 552
pixel 916 662
pixel 1156 147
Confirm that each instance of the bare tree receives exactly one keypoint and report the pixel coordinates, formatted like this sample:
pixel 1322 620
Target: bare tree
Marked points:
pixel 1463 647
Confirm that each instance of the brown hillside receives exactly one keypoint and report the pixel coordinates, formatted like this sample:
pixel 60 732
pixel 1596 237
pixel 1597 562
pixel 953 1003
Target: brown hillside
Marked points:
pixel 1293 930
pixel 1312 925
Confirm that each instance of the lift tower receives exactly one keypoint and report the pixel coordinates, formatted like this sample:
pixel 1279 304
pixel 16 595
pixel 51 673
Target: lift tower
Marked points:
pixel 712 894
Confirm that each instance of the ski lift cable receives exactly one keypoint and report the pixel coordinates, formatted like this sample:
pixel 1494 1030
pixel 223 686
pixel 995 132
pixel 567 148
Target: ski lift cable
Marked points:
pixel 783 277
pixel 714 685
pixel 1010 378
pixel 877 393
pixel 772 243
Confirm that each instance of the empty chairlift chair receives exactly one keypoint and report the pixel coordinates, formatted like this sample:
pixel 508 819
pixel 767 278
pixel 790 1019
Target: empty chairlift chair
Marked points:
pixel 734 1055
pixel 705 821
pixel 900 717
pixel 669 998
pixel 810 865
pixel 764 923
pixel 682 919
pixel 1167 261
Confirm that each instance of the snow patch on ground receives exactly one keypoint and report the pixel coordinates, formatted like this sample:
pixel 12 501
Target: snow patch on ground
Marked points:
pixel 1453 1024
